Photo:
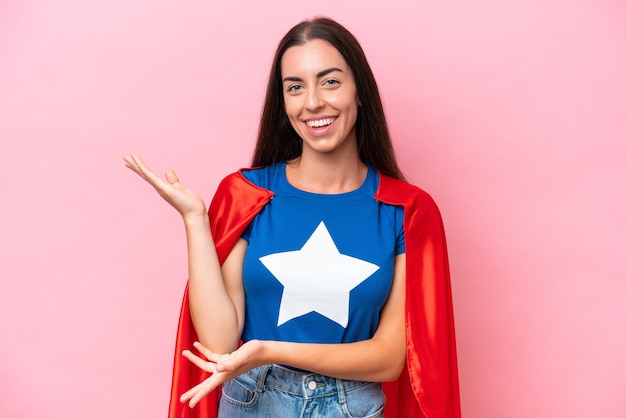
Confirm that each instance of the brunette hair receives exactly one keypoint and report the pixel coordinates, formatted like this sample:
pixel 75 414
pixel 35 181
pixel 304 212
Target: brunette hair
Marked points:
pixel 278 141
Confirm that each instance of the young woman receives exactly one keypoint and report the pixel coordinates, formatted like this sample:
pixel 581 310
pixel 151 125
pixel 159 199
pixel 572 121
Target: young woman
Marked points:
pixel 320 273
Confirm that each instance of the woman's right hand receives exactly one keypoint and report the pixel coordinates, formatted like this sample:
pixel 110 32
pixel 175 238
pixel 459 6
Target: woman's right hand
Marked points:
pixel 185 201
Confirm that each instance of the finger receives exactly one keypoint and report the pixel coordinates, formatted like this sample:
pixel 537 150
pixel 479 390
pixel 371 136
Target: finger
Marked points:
pixel 201 394
pixel 135 163
pixel 141 168
pixel 198 392
pixel 133 159
pixel 207 366
pixel 227 364
pixel 185 397
pixel 205 388
pixel 130 162
pixel 126 159
pixel 208 354
pixel 171 177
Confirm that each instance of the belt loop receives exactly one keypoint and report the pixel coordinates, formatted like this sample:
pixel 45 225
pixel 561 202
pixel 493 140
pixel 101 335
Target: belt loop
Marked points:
pixel 340 391
pixel 260 382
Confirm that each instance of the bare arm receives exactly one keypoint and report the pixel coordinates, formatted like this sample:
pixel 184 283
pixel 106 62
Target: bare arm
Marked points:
pixel 215 298
pixel 216 295
pixel 380 358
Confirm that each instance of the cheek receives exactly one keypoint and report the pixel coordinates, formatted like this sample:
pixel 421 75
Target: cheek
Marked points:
pixel 290 107
pixel 292 115
pixel 346 101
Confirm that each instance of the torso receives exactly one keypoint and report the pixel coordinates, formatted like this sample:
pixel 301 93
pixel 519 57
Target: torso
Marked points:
pixel 318 267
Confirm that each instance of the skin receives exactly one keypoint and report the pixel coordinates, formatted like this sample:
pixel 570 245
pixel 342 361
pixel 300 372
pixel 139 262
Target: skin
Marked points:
pixel 317 86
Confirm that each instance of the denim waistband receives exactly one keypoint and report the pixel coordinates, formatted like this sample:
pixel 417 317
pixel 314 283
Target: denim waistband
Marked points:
pixel 301 383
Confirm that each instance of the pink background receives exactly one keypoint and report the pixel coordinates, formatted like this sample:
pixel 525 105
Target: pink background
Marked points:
pixel 510 113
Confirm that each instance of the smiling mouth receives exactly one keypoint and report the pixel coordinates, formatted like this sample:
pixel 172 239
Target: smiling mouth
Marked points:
pixel 320 123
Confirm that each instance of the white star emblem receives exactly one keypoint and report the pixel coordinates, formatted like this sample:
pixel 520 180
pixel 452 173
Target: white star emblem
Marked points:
pixel 317 278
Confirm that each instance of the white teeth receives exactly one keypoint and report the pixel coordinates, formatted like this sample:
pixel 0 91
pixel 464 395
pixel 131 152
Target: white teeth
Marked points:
pixel 319 123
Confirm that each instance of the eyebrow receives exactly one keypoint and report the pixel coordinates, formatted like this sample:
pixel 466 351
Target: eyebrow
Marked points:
pixel 319 75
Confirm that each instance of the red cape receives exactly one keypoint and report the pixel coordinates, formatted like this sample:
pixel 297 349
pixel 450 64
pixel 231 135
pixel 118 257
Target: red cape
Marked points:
pixel 428 386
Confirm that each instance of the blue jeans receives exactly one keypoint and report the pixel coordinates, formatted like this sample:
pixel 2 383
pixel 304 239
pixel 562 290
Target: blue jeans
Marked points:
pixel 274 391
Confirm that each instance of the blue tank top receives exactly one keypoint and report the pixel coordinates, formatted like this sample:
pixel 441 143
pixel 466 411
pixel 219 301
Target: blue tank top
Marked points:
pixel 319 267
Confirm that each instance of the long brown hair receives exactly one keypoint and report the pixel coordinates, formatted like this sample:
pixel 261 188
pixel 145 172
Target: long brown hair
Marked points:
pixel 278 141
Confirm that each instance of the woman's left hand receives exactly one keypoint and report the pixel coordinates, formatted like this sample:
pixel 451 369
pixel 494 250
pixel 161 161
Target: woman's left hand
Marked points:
pixel 222 367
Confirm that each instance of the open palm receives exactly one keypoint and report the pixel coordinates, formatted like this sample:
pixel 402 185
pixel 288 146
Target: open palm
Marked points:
pixel 222 367
pixel 185 201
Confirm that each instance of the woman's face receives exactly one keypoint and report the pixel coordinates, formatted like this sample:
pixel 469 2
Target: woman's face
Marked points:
pixel 321 98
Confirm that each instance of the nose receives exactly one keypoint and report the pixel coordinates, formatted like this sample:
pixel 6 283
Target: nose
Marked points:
pixel 313 100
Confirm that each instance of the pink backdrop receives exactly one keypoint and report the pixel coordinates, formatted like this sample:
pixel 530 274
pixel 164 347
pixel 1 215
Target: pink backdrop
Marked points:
pixel 511 113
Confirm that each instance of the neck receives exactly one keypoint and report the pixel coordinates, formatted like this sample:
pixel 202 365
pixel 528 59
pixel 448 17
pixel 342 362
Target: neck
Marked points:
pixel 326 175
